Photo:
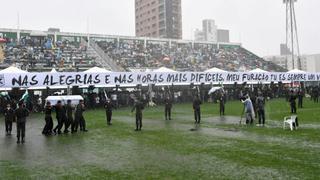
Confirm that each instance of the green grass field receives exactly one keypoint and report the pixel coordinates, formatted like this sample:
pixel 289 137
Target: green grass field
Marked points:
pixel 219 149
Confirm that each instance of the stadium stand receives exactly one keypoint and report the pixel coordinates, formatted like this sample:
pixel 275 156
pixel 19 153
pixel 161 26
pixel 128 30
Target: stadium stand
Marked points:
pixel 37 51
pixel 183 56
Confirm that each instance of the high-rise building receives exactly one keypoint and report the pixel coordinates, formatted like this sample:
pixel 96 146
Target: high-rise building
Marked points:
pixel 284 50
pixel 211 33
pixel 198 35
pixel 209 29
pixel 223 36
pixel 158 18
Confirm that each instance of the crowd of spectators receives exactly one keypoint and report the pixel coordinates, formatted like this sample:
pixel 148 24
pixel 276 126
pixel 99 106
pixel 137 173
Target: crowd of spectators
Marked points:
pixel 41 52
pixel 135 53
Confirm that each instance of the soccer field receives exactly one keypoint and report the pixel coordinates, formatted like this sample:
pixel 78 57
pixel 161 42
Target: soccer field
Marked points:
pixel 219 149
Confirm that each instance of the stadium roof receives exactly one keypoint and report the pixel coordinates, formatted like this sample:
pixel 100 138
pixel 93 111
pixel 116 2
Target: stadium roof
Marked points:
pixel 164 69
pixel 97 70
pixel 215 70
pixel 258 70
pixel 12 69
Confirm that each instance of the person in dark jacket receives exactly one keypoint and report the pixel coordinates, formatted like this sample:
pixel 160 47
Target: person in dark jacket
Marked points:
pixel 60 115
pixel 47 130
pixel 9 118
pixel 260 108
pixel 21 114
pixel 300 98
pixel 292 100
pixel 108 107
pixel 138 106
pixel 222 104
pixel 69 119
pixel 167 108
pixel 78 117
pixel 196 108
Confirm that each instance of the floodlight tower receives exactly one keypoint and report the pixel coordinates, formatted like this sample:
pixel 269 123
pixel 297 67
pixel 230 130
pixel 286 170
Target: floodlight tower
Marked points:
pixel 292 40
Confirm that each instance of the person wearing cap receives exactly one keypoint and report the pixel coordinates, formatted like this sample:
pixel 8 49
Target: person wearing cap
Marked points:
pixel 138 106
pixel 21 114
pixel 248 108
pixel 108 107
pixel 69 118
pixel 47 130
pixel 196 108
pixel 9 118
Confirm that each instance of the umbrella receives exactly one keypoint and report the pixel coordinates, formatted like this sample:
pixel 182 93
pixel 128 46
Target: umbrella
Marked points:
pixel 2 40
pixel 214 89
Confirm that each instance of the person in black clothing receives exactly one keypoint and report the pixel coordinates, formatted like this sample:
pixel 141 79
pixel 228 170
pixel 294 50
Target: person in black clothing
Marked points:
pixel 196 108
pixel 222 104
pixel 316 94
pixel 47 130
pixel 168 107
pixel 292 101
pixel 260 108
pixel 138 106
pixel 60 115
pixel 108 106
pixel 9 118
pixel 78 117
pixel 69 118
pixel 21 114
pixel 300 99
pixel 254 105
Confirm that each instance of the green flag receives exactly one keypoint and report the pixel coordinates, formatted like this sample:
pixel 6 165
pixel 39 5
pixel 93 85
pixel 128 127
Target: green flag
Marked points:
pixel 25 97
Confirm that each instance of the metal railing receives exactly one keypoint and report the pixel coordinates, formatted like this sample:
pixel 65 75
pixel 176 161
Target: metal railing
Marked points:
pixel 104 57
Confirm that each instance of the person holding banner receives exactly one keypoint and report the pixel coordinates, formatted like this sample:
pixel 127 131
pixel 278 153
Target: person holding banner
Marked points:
pixel 21 115
pixel 47 130
pixel 196 108
pixel 138 106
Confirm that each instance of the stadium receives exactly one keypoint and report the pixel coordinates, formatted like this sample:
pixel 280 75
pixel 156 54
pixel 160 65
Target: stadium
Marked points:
pixel 137 102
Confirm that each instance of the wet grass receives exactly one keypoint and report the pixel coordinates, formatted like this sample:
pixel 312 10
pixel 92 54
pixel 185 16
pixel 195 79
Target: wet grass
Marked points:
pixel 219 149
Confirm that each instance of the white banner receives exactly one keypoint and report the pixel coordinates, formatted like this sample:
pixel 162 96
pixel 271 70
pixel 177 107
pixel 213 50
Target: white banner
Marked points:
pixel 129 78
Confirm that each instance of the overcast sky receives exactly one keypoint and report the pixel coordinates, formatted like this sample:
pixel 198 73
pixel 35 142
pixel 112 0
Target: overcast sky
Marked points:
pixel 258 24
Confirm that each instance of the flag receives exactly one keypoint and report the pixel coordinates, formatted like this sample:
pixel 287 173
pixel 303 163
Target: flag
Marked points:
pixel 105 95
pixel 25 97
pixel 5 95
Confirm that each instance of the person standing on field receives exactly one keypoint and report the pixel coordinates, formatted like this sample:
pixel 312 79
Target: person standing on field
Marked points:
pixel 260 108
pixel 196 109
pixel 9 118
pixel 167 108
pixel 138 106
pixel 21 115
pixel 108 107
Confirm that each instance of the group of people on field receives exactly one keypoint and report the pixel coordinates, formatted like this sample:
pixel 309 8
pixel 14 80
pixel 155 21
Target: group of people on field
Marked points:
pixel 19 115
pixel 71 117
pixel 65 117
